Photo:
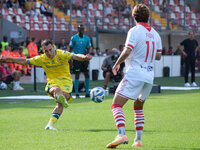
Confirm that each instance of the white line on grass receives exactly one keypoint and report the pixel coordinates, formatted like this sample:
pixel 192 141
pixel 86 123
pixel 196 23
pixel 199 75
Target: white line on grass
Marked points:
pixel 178 88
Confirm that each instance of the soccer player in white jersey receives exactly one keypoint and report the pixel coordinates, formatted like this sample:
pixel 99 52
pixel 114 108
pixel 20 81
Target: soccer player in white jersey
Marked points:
pixel 143 46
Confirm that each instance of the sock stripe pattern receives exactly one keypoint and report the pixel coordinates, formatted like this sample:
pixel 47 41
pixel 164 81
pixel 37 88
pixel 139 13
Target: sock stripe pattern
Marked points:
pixel 118 115
pixel 56 115
pixel 139 118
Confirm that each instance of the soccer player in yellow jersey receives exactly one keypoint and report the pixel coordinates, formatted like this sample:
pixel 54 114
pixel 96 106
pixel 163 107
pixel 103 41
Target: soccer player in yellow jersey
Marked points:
pixel 59 81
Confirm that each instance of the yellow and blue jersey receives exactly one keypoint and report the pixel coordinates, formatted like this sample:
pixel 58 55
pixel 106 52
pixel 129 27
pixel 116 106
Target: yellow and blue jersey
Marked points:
pixel 80 44
pixel 56 69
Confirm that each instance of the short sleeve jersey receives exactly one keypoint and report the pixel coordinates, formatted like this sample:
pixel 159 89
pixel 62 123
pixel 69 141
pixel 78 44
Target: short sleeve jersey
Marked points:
pixel 56 68
pixel 190 46
pixel 80 44
pixel 144 42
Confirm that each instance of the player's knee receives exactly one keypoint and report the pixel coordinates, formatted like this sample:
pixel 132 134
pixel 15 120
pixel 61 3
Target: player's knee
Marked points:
pixel 138 103
pixel 67 95
pixel 59 106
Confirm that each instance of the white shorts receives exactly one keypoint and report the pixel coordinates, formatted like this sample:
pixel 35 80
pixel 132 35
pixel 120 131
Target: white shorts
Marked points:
pixel 133 89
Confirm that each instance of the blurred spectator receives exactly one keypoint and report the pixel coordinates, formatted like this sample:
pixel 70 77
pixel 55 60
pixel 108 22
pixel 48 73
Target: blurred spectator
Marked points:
pixel 127 12
pixel 22 3
pixel 170 51
pixel 13 77
pixel 13 44
pixel 63 45
pixel 164 6
pixel 45 10
pixel 98 52
pixel 7 4
pixel 164 51
pixel 32 48
pixel 29 7
pixel 108 10
pixel 190 51
pixel 93 52
pixel 9 65
pixel 107 52
pixel 25 49
pixel 14 19
pixel 28 40
pixel 4 43
pixel 121 47
pixel 107 65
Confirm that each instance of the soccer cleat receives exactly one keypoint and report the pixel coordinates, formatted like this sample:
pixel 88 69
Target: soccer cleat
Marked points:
pixel 49 127
pixel 194 84
pixel 187 84
pixel 77 96
pixel 118 140
pixel 137 144
pixel 87 95
pixel 18 88
pixel 61 99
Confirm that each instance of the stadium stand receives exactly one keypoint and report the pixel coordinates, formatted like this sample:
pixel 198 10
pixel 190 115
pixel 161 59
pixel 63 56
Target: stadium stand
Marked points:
pixel 96 9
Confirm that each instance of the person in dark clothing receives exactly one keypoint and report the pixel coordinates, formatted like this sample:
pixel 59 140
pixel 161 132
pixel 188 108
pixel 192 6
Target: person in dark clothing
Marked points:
pixel 190 51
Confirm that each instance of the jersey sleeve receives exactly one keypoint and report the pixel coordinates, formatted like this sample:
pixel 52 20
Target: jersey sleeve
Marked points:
pixel 35 61
pixel 159 45
pixel 130 40
pixel 67 55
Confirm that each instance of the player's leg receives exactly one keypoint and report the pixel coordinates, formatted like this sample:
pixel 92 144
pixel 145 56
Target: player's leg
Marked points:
pixel 16 80
pixel 107 76
pixel 139 114
pixel 139 122
pixel 121 97
pixel 119 117
pixel 61 102
pixel 77 74
pixel 192 62
pixel 187 63
pixel 87 79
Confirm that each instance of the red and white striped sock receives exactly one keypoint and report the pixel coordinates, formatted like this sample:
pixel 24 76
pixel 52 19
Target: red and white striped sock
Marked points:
pixel 139 122
pixel 119 117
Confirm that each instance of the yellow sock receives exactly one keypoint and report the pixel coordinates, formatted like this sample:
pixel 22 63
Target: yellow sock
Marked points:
pixel 54 117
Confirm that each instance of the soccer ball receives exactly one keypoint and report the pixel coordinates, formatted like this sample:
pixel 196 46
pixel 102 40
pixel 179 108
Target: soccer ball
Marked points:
pixel 97 94
pixel 3 86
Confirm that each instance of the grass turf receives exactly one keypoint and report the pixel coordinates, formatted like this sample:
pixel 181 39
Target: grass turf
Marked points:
pixel 171 122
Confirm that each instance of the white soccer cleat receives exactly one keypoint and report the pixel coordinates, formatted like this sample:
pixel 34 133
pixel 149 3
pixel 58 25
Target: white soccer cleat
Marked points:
pixel 194 84
pixel 49 127
pixel 187 84
pixel 18 88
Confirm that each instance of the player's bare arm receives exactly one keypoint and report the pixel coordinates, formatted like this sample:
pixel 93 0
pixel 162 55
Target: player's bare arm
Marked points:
pixel 125 53
pixel 179 47
pixel 81 57
pixel 18 60
pixel 158 56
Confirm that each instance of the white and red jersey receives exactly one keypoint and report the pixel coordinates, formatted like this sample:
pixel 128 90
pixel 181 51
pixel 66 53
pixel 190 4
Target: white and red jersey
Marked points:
pixel 144 42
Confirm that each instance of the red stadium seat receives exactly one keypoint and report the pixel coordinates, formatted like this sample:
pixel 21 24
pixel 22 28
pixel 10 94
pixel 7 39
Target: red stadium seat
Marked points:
pixel 40 27
pixel 15 11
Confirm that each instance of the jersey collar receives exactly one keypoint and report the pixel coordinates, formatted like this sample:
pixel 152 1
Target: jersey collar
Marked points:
pixel 146 25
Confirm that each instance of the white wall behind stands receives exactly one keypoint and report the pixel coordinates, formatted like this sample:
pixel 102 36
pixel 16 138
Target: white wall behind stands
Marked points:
pixel 173 62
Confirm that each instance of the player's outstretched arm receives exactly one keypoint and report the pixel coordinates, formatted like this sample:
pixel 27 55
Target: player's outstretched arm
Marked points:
pixel 81 57
pixel 18 60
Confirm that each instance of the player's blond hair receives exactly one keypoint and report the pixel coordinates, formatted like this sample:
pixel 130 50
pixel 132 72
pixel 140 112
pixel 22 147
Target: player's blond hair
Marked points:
pixel 141 13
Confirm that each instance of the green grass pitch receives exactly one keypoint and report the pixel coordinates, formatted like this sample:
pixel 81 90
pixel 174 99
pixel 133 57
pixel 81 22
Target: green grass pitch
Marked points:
pixel 172 122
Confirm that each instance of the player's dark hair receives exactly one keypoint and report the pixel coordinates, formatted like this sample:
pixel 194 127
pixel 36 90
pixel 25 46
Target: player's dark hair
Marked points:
pixel 141 13
pixel 46 42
